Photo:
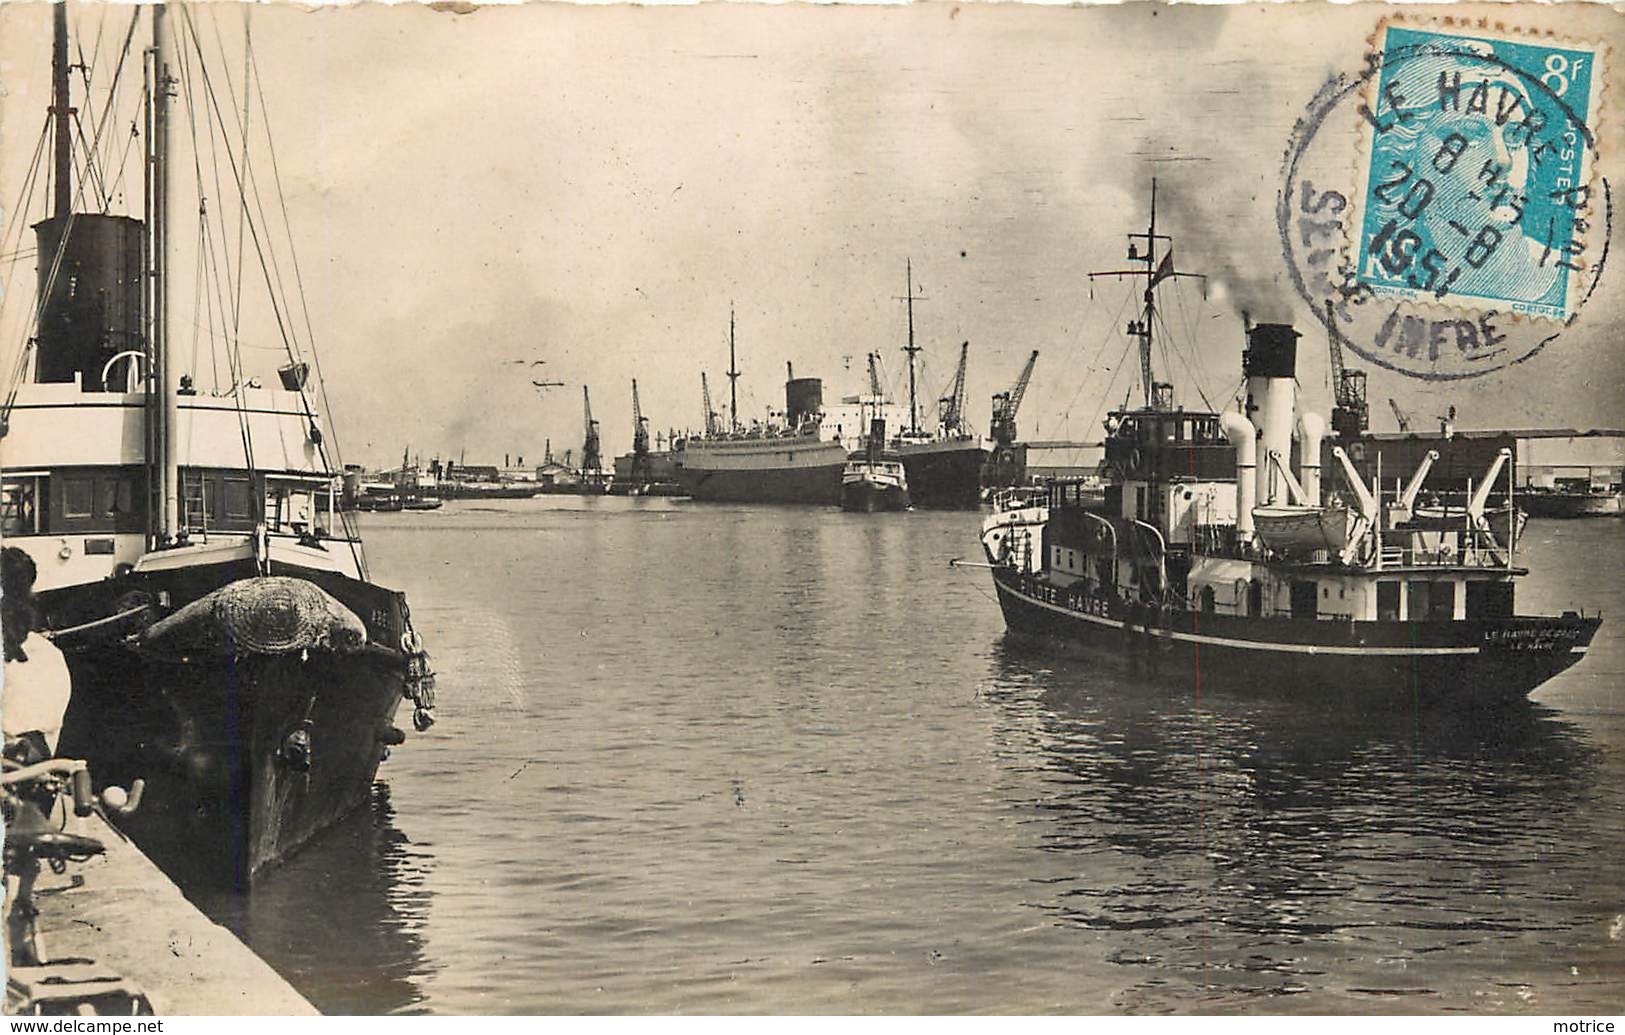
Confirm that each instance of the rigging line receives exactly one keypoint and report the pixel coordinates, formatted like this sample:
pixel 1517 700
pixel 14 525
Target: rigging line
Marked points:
pixel 91 174
pixel 1066 412
pixel 278 292
pixel 1184 315
pixel 251 63
pixel 253 231
pixel 239 383
pixel 22 198
pixel 99 125
pixel 20 366
pixel 113 90
pixel 276 285
pixel 129 141
pixel 30 184
pixel 208 256
pixel 86 68
pixel 1196 378
pixel 206 262
pixel 242 198
pixel 1104 399
pixel 232 274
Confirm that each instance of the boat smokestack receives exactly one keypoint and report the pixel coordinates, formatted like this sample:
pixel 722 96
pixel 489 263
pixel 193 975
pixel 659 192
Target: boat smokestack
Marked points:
pixel 1311 432
pixel 1270 364
pixel 1241 433
pixel 803 397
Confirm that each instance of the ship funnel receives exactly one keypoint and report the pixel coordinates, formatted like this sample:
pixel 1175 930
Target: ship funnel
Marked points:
pixel 803 397
pixel 1270 363
pixel 1311 432
pixel 1239 430
pixel 877 439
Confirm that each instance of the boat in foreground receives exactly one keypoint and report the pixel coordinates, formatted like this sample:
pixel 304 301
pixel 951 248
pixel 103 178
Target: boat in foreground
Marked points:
pixel 1217 558
pixel 225 641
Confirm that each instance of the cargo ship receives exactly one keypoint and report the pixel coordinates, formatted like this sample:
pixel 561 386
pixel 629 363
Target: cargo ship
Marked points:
pixel 212 600
pixel 796 458
pixel 1216 557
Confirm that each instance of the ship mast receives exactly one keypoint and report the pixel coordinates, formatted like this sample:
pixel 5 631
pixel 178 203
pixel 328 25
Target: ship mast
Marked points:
pixel 168 462
pixel 733 377
pixel 1155 271
pixel 61 113
pixel 912 350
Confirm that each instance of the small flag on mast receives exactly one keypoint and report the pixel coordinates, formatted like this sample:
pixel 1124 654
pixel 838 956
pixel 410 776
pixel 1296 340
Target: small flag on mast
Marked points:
pixel 1165 269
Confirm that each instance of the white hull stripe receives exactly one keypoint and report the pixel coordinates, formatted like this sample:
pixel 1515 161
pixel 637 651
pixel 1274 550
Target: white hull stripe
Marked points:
pixel 1225 641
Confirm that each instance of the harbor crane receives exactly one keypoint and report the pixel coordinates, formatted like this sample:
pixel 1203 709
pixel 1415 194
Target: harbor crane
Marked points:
pixel 592 464
pixel 1351 416
pixel 713 420
pixel 640 473
pixel 1400 416
pixel 951 407
pixel 1005 405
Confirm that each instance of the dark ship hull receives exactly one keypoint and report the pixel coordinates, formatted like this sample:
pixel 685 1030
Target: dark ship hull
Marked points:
pixel 811 482
pixel 230 788
pixel 1488 660
pixel 945 474
pixel 866 497
pixel 1006 467
pixel 1572 504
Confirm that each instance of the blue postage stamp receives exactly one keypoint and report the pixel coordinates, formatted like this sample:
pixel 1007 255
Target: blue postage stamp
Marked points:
pixel 1476 169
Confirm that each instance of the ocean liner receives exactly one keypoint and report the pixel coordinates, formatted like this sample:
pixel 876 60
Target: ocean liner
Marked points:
pixel 225 642
pixel 1217 557
pixel 796 460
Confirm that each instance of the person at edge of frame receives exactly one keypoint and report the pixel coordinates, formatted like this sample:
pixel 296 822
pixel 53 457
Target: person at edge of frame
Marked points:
pixel 37 683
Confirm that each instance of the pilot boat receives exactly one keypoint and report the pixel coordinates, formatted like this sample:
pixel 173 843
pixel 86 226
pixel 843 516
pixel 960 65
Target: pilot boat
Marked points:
pixel 1217 555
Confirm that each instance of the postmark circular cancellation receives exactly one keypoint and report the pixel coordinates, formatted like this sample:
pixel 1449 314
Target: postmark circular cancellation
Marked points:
pixel 1441 210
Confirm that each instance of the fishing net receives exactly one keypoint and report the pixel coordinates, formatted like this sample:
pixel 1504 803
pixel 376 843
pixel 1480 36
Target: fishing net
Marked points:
pixel 268 615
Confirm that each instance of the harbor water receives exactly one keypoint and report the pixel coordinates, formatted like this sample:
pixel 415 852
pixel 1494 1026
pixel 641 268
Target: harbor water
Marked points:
pixel 709 759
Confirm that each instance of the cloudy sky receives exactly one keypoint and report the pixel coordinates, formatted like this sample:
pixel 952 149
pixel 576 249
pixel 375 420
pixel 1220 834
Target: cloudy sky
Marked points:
pixel 595 186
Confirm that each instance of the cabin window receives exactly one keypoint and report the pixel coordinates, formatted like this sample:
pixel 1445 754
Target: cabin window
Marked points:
pixel 1489 600
pixel 20 512
pixel 1388 601
pixel 1416 601
pixel 1303 600
pixel 95 500
pixel 1441 601
pixel 78 496
pixel 239 497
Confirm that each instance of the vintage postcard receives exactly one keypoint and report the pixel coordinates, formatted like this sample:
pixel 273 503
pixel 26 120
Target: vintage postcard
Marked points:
pixel 812 509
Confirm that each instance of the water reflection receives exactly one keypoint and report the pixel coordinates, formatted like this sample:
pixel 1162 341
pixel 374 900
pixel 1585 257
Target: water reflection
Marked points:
pixel 342 919
pixel 1257 843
